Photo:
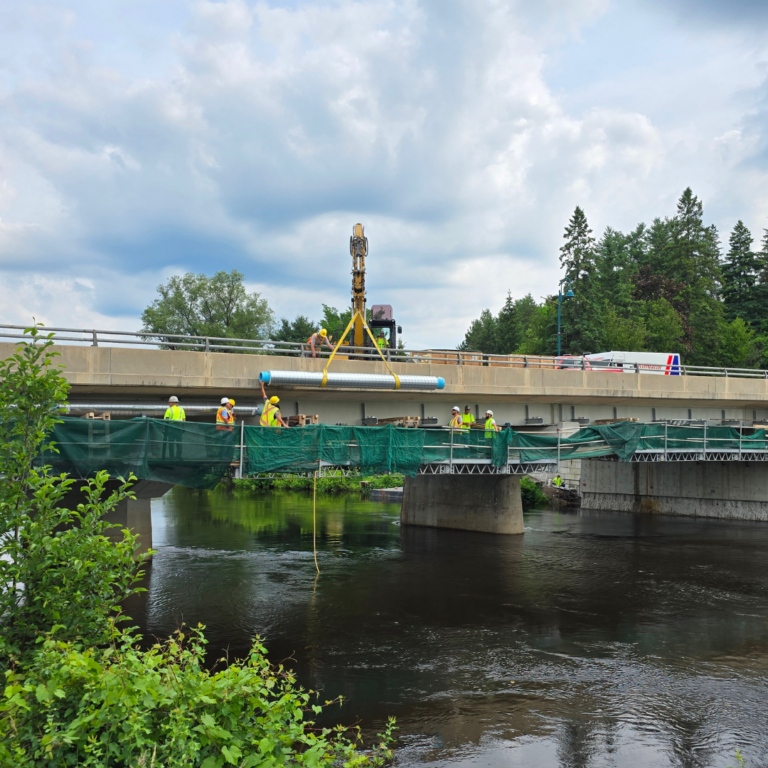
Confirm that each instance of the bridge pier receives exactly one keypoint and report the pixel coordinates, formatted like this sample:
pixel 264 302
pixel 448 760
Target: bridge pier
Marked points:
pixel 486 503
pixel 721 489
pixel 135 514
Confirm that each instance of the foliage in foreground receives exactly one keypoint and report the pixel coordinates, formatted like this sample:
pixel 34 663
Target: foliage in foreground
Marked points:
pixel 123 707
pixel 78 690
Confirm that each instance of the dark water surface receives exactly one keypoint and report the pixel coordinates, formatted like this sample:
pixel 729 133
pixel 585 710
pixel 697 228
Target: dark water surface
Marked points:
pixel 631 640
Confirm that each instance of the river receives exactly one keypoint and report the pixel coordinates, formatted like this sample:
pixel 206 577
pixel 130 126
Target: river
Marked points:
pixel 596 639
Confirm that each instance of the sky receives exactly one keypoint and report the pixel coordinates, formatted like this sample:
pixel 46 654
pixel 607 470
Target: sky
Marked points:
pixel 140 140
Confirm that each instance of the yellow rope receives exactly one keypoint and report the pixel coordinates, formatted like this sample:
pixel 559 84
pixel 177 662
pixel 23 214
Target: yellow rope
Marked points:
pixel 314 522
pixel 376 347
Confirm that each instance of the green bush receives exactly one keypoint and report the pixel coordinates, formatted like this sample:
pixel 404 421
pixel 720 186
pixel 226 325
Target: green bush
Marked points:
pixel 328 484
pixel 78 690
pixel 532 494
pixel 119 706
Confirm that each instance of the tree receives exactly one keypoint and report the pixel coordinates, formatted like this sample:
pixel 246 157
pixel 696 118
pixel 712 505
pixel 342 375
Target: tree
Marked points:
pixel 481 336
pixel 297 331
pixel 740 272
pixel 218 306
pixel 581 316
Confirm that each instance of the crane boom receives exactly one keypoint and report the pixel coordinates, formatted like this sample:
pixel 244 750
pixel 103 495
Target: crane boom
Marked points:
pixel 358 248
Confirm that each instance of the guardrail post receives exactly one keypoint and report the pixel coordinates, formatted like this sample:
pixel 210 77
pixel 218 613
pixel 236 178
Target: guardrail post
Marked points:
pixel 525 362
pixel 207 344
pixel 95 339
pixel 461 362
pixel 242 441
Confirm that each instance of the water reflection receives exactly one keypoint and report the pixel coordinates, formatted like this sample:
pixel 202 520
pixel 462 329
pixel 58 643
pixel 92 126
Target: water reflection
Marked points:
pixel 594 639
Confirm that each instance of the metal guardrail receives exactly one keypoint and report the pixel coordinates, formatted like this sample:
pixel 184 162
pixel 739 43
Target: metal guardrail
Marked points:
pixel 95 337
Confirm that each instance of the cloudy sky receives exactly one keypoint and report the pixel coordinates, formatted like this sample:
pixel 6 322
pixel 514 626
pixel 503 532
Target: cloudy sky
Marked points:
pixel 141 139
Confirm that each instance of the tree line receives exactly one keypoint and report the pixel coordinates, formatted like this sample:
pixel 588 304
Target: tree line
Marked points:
pixel 661 288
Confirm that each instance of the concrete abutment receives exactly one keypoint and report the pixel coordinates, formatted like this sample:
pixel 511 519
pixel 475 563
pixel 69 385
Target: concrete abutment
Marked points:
pixel 485 503
pixel 727 490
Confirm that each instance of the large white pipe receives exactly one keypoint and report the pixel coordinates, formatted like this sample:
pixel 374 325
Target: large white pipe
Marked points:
pixel 351 380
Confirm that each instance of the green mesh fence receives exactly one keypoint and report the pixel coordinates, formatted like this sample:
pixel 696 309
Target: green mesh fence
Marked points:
pixel 199 455
pixel 193 455
pixel 373 450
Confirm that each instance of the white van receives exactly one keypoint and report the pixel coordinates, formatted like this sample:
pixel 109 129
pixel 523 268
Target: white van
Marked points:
pixel 659 363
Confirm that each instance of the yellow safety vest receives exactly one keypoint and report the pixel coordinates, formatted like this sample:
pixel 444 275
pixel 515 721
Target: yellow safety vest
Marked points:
pixel 456 421
pixel 269 415
pixel 558 481
pixel 490 424
pixel 175 413
pixel 381 342
pixel 467 419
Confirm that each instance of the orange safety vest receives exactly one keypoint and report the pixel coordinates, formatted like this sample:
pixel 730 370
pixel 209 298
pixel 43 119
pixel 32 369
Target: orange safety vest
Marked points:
pixel 456 421
pixel 224 419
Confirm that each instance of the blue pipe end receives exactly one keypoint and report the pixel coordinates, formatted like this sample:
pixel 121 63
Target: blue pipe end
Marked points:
pixel 264 377
pixel 440 382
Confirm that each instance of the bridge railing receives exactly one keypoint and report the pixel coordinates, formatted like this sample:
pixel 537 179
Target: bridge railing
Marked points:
pixel 96 337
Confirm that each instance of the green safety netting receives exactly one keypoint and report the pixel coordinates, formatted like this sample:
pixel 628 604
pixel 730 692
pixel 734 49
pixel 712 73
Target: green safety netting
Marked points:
pixel 193 455
pixel 199 455
pixel 372 450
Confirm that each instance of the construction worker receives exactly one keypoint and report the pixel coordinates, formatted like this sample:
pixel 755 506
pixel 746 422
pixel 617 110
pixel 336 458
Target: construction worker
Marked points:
pixel 174 412
pixel 173 437
pixel 557 481
pixel 467 419
pixel 381 340
pixel 456 421
pixel 270 415
pixel 317 340
pixel 225 418
pixel 490 424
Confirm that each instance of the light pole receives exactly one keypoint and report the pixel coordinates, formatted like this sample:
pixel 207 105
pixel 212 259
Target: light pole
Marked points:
pixel 560 297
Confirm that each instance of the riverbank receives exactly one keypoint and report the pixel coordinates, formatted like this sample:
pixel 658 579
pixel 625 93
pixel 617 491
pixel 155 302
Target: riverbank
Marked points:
pixel 532 495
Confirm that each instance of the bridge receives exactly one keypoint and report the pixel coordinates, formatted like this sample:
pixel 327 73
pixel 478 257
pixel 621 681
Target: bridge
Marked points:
pixel 459 481
pixel 124 368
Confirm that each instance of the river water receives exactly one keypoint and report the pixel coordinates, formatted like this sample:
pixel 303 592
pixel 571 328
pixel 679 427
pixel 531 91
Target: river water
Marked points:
pixel 596 639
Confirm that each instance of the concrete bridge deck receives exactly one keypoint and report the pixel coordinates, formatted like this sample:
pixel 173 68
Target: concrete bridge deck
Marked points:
pixel 517 395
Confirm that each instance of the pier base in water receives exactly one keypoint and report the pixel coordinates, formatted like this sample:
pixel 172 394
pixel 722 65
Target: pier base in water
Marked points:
pixel 135 514
pixel 485 503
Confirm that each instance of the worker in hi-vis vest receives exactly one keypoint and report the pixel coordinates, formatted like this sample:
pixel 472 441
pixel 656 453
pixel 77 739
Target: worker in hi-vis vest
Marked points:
pixel 456 421
pixel 173 438
pixel 490 424
pixel 317 340
pixel 174 412
pixel 270 415
pixel 381 340
pixel 225 418
pixel 467 419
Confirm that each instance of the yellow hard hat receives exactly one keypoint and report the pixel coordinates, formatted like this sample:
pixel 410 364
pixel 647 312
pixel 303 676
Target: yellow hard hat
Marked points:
pixel 274 399
pixel 232 402
pixel 323 332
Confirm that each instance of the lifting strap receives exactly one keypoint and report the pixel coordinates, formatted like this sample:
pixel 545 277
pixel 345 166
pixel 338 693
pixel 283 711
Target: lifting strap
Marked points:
pixel 375 345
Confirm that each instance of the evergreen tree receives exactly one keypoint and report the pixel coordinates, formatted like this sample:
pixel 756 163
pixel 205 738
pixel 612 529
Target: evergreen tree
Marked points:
pixel 297 331
pixel 581 323
pixel 508 332
pixel 740 272
pixel 481 336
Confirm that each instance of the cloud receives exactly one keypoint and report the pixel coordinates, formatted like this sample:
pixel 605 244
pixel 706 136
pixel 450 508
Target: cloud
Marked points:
pixel 254 135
